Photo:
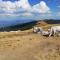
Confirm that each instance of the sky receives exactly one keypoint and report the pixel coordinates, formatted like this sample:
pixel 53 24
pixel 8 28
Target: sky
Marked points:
pixel 30 9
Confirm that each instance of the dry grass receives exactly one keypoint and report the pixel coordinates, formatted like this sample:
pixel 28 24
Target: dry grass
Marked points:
pixel 28 46
pixel 45 25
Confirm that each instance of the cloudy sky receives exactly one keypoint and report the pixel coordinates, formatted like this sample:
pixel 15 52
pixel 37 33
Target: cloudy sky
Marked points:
pixel 30 9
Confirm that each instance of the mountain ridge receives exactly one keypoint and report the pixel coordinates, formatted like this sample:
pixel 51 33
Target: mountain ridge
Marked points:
pixel 29 25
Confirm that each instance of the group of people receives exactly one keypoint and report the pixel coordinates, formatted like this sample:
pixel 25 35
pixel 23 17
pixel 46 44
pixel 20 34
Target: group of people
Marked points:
pixel 54 30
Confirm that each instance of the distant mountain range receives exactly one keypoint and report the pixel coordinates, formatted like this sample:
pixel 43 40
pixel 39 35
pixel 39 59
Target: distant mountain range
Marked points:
pixel 27 25
pixel 23 26
pixel 6 23
pixel 52 21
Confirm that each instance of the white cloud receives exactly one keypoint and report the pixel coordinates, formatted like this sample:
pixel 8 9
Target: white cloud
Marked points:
pixel 58 14
pixel 21 14
pixel 7 7
pixel 41 7
pixel 27 14
pixel 11 7
pixel 0 0
pixel 23 5
pixel 58 6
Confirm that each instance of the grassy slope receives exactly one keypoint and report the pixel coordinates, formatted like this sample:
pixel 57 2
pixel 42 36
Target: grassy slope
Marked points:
pixel 28 46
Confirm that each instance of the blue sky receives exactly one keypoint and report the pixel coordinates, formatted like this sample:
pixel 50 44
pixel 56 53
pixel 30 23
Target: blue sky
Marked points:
pixel 32 9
